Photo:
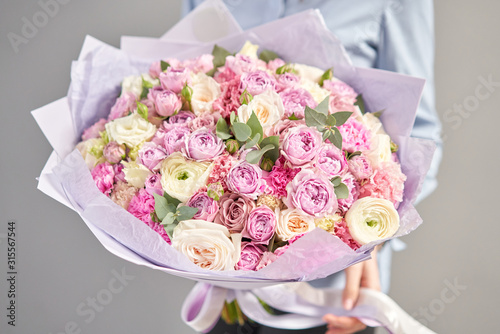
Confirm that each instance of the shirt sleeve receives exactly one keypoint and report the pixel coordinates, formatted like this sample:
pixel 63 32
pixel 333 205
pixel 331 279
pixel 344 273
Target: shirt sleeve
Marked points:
pixel 407 46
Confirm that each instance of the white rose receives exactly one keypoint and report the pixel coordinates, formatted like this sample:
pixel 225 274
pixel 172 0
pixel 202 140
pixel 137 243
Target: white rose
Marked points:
pixel 371 219
pixel 205 91
pixel 328 223
pixel 373 124
pixel 318 93
pixel 130 130
pixel 291 222
pixel 310 73
pixel 136 174
pixel 249 50
pixel 132 84
pixel 88 148
pixel 182 178
pixel 380 150
pixel 150 79
pixel 207 244
pixel 268 108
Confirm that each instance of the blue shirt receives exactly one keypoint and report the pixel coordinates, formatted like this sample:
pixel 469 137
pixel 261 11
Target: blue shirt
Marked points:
pixel 393 35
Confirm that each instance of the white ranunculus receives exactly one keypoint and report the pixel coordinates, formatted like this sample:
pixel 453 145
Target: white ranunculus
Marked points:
pixel 380 150
pixel 132 84
pixel 207 244
pixel 182 178
pixel 268 108
pixel 318 93
pixel 310 73
pixel 249 50
pixel 86 149
pixel 371 219
pixel 130 130
pixel 205 91
pixel 291 222
pixel 135 173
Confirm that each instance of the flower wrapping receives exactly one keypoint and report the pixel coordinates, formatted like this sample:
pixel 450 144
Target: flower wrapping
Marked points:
pixel 303 38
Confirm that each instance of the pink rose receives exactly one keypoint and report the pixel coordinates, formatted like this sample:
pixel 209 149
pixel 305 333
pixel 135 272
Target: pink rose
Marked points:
pixel 153 184
pixel 355 135
pixel 287 80
pixel 353 187
pixel 360 167
pixel 301 145
pixel 155 69
pixel 295 101
pixel 114 152
pixel 234 211
pixel 174 138
pixel 342 96
pixel 94 130
pixel 203 63
pixel 312 194
pixel 251 254
pixel 123 105
pixel 260 226
pixel 205 120
pixel 119 174
pixel 274 64
pixel 207 207
pixel 331 161
pixel 246 179
pixel 104 177
pixel 167 103
pixel 182 117
pixel 240 64
pixel 267 259
pixel 203 144
pixel 281 128
pixel 151 155
pixel 174 79
pixel 257 82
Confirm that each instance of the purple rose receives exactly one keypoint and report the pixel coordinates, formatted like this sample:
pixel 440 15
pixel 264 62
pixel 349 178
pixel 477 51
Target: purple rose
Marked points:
pixel 312 194
pixel 119 174
pixel 234 211
pixel 295 101
pixel 360 167
pixel 174 79
pixel 166 103
pixel 261 225
pixel 331 161
pixel 274 64
pixel 153 184
pixel 257 82
pixel 287 80
pixel 203 144
pixel 151 155
pixel 207 207
pixel 182 117
pixel 251 254
pixel 122 106
pixel 246 179
pixel 301 145
pixel 114 152
pixel 174 137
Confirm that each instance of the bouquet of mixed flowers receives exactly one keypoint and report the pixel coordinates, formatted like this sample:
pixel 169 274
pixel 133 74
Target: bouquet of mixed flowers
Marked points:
pixel 240 170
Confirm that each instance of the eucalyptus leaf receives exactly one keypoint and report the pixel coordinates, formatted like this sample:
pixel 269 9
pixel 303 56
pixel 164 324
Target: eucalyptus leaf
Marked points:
pixel 168 219
pixel 336 181
pixel 164 65
pixel 220 55
pixel 323 106
pixel 142 110
pixel 186 212
pixel 360 102
pixel 241 131
pixel 314 118
pixel 254 124
pixel 336 138
pixel 342 116
pixel 253 157
pixel 232 117
pixel 273 154
pixel 254 141
pixel 331 121
pixel 222 130
pixel 341 191
pixel 267 55
pixel 326 134
pixel 161 206
pixel 171 200
pixel 170 230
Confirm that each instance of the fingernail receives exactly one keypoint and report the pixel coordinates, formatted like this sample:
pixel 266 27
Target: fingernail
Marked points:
pixel 348 304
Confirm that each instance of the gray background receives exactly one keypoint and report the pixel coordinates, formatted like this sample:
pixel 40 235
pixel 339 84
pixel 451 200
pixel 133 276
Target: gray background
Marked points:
pixel 61 264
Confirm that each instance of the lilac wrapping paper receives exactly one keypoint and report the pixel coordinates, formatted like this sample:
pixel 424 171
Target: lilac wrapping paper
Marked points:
pixel 95 84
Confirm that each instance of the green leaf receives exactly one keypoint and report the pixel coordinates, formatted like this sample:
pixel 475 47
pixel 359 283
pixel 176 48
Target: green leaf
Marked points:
pixel 273 154
pixel 241 131
pixel 341 191
pixel 161 206
pixel 254 124
pixel 378 113
pixel 220 55
pixel 293 118
pixel 342 117
pixel 186 212
pixel 171 200
pixel 336 138
pixel 253 157
pixel 328 75
pixel 271 243
pixel 164 65
pixel 222 130
pixel 267 56
pixel 349 156
pixel 232 117
pixel 170 230
pixel 323 106
pixel 360 102
pixel 142 110
pixel 251 143
pixel 146 85
pixel 168 219
pixel 326 134
pixel 337 180
pixel 331 121
pixel 285 68
pixel 187 92
pixel 314 118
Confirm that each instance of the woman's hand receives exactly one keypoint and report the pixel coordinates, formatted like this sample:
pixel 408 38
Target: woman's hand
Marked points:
pixel 361 275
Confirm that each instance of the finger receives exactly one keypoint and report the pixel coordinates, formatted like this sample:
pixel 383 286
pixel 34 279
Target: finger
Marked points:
pixel 370 277
pixel 352 284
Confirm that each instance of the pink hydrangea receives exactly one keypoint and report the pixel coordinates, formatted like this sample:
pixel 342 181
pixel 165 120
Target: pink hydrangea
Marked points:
pixel 93 131
pixel 229 99
pixel 342 231
pixel 278 179
pixel 386 182
pixel 104 177
pixel 355 135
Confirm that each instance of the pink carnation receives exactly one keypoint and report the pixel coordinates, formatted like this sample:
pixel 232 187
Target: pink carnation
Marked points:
pixel 104 177
pixel 229 99
pixel 221 166
pixel 93 131
pixel 355 135
pixel 123 194
pixel 387 182
pixel 240 64
pixel 278 179
pixel 342 231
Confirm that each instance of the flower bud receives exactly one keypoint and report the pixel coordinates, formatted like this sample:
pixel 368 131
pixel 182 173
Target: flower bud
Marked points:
pixel 267 164
pixel 232 146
